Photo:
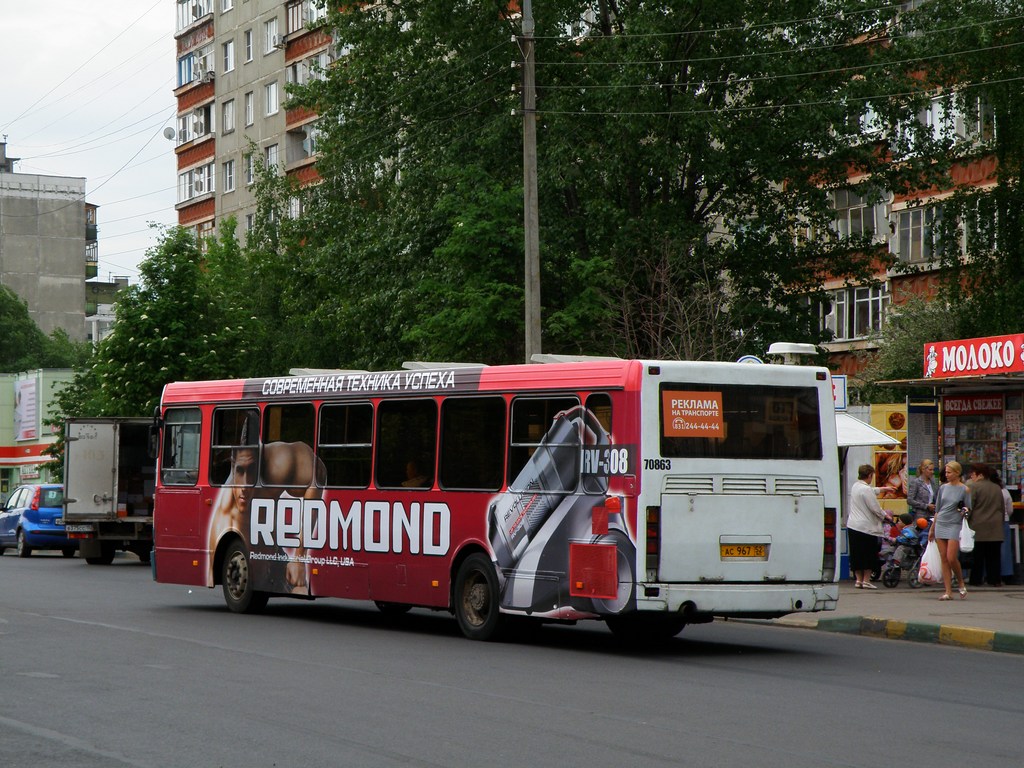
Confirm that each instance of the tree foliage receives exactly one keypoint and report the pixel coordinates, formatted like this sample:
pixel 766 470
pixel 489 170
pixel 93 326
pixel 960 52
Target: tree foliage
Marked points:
pixel 25 347
pixel 683 147
pixel 177 324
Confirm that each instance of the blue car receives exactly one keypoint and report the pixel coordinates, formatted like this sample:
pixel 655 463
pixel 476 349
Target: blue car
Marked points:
pixel 33 518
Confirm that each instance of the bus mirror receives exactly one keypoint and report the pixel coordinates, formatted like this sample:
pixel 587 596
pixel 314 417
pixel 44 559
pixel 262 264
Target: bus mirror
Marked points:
pixel 153 447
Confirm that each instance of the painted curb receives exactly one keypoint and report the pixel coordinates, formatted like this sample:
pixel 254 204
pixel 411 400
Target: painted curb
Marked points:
pixel 961 637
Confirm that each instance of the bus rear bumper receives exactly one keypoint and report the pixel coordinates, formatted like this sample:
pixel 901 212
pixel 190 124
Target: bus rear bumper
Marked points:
pixel 754 601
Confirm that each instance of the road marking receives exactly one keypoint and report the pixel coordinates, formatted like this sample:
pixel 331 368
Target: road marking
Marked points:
pixel 70 741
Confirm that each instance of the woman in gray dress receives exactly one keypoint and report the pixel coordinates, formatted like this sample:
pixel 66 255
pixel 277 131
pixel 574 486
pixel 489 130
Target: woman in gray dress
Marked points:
pixel 952 504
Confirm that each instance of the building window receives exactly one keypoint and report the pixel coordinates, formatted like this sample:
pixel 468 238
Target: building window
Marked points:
pixel 202 121
pixel 857 312
pixel 229 175
pixel 271 39
pixel 916 234
pixel 249 116
pixel 295 73
pixel 227 121
pixel 250 170
pixel 184 129
pixel 226 5
pixel 247 35
pixel 272 158
pixel 229 55
pixel 270 98
pixel 204 61
pixel 316 66
pixel 855 216
pixel 190 11
pixel 205 233
pixel 195 182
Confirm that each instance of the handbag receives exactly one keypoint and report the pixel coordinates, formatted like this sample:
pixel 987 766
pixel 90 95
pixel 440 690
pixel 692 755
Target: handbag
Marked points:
pixel 966 537
pixel 930 571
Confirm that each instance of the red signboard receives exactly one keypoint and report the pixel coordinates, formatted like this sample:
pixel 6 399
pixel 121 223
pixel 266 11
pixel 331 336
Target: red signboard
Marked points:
pixel 962 405
pixel 974 357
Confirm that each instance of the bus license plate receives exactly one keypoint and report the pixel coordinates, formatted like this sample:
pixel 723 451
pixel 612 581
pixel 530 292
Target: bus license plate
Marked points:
pixel 744 551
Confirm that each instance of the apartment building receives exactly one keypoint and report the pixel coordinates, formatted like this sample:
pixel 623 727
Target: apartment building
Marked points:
pixel 235 61
pixel 48 245
pixel 904 229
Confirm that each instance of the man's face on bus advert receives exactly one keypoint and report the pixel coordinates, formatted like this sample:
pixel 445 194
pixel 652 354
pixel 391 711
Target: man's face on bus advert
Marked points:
pixel 243 477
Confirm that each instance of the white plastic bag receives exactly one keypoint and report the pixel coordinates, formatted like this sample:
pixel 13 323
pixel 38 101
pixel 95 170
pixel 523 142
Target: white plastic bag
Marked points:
pixel 931 565
pixel 966 537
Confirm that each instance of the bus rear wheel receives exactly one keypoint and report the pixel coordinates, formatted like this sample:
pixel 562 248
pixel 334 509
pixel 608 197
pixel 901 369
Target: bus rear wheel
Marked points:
pixel 476 599
pixel 236 580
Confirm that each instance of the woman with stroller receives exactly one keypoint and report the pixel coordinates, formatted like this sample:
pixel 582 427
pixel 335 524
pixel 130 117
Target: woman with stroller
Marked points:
pixel 952 503
pixel 864 527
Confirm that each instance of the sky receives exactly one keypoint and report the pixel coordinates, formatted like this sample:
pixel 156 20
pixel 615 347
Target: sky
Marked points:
pixel 87 92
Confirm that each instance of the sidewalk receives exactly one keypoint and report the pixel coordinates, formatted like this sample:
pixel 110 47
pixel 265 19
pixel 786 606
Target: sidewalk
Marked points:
pixel 989 619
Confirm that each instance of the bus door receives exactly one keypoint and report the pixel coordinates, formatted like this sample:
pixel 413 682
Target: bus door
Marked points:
pixel 739 467
pixel 180 514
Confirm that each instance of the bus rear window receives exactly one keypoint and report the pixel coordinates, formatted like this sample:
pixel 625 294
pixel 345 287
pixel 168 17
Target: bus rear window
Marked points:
pixel 739 421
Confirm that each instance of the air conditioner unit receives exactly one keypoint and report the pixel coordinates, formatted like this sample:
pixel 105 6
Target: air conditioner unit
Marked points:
pixel 208 77
pixel 277 41
pixel 198 127
pixel 199 186
pixel 182 136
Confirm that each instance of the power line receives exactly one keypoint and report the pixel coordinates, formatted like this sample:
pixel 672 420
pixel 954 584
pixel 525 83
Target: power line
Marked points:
pixel 81 66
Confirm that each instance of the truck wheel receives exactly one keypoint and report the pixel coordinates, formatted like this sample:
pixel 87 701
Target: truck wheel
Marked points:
pixel 105 557
pixel 24 550
pixel 476 599
pixel 68 551
pixel 237 582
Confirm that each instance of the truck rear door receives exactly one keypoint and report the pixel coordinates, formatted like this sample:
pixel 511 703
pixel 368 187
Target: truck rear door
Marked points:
pixel 90 470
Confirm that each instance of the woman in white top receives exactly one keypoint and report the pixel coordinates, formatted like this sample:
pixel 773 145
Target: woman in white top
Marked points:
pixel 864 527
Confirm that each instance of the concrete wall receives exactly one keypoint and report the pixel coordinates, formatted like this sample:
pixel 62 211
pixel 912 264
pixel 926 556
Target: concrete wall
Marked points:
pixel 42 248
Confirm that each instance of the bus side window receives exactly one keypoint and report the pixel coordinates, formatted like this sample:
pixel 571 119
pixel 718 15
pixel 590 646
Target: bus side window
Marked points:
pixel 472 443
pixel 346 444
pixel 287 458
pixel 179 459
pixel 406 443
pixel 231 429
pixel 532 419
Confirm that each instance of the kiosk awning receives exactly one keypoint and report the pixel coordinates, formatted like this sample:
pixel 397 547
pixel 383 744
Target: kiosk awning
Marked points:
pixel 980 383
pixel 852 431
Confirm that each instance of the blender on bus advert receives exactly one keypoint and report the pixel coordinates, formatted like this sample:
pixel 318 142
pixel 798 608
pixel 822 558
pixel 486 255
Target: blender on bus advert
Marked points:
pixel 550 509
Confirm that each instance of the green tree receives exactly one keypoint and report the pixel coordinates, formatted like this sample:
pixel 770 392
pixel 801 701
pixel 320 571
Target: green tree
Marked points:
pixel 901 344
pixel 683 146
pixel 177 324
pixel 25 347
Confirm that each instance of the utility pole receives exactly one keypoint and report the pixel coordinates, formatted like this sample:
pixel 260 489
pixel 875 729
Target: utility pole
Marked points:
pixel 531 224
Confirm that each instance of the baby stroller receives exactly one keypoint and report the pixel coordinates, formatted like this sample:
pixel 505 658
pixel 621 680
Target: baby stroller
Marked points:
pixel 904 554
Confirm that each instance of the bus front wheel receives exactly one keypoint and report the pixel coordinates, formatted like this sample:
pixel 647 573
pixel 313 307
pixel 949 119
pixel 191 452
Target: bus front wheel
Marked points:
pixel 236 579
pixel 476 599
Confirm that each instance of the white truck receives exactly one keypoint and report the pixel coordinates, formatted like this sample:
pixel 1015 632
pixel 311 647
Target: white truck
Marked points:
pixel 109 478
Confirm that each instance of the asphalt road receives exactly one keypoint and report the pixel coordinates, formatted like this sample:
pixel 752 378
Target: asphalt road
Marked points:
pixel 99 666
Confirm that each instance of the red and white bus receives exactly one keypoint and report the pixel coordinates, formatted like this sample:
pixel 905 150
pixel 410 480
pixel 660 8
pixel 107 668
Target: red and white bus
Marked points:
pixel 649 494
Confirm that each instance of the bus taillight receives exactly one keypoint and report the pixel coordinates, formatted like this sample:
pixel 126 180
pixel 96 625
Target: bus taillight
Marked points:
pixel 653 541
pixel 828 557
